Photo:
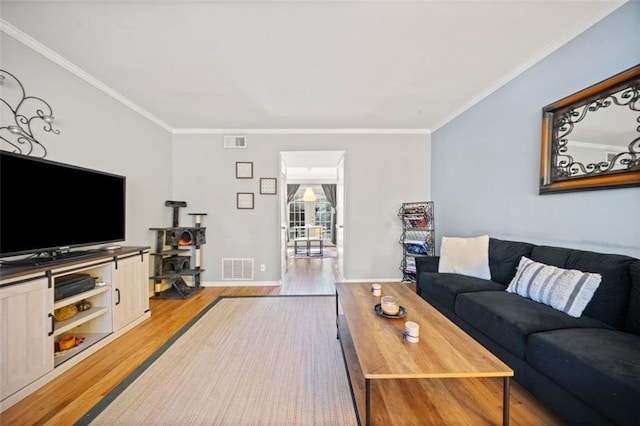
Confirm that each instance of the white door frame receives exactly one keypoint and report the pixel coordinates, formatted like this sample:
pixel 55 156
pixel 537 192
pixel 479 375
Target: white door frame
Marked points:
pixel 284 223
pixel 340 231
pixel 311 159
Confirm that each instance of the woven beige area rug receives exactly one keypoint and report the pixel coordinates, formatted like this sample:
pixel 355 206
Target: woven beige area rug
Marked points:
pixel 271 360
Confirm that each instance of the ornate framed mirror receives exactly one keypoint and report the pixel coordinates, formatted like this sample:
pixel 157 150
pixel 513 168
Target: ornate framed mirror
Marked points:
pixel 591 139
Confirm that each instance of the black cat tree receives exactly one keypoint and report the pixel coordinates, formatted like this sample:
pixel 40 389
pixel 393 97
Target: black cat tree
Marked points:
pixel 178 256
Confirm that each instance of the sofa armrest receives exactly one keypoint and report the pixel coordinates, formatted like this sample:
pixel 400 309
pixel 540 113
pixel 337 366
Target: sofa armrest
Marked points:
pixel 427 264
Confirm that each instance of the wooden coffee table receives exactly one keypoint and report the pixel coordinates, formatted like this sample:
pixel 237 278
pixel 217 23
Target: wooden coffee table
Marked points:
pixel 375 351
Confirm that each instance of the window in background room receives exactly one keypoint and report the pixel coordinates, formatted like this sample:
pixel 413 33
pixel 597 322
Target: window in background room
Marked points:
pixel 319 213
pixel 296 215
pixel 323 215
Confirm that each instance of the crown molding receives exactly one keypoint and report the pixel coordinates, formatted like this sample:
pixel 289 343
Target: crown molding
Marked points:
pixel 301 131
pixel 550 48
pixel 28 41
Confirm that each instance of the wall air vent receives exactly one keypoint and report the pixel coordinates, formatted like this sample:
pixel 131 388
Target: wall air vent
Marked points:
pixel 237 269
pixel 235 142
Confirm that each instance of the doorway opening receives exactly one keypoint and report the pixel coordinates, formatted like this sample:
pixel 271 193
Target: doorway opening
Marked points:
pixel 312 206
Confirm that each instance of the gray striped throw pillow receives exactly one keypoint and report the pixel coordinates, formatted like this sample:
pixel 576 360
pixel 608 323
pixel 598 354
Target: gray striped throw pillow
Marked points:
pixel 567 290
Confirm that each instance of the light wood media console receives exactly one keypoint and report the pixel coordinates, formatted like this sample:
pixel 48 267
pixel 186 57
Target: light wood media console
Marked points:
pixel 28 330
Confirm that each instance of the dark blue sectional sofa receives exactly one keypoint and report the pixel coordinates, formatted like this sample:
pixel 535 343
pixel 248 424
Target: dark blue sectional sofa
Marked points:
pixel 586 369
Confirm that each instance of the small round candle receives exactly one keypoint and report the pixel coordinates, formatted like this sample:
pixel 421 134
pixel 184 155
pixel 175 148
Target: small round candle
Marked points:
pixel 412 328
pixel 390 305
pixel 376 289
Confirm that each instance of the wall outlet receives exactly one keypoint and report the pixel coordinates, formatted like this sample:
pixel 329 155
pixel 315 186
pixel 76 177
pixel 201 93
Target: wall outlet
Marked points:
pixel 263 267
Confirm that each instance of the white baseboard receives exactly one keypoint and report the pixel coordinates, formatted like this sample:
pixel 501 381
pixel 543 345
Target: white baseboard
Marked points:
pixel 373 280
pixel 240 284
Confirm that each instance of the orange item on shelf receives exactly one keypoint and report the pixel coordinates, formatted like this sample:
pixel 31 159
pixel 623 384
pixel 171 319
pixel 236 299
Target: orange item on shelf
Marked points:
pixel 67 342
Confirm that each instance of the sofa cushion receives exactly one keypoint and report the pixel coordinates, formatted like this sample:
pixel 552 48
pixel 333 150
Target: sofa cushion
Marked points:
pixel 465 256
pixel 443 288
pixel 508 319
pixel 610 302
pixel 504 257
pixel 599 366
pixel 633 317
pixel 567 290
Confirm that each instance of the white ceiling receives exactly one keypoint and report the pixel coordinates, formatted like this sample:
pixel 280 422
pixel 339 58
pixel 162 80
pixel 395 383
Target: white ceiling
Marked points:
pixel 267 64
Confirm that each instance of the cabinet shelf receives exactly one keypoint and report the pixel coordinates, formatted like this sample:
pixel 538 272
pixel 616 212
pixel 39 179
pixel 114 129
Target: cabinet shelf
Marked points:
pixel 79 319
pixel 81 296
pixel 89 339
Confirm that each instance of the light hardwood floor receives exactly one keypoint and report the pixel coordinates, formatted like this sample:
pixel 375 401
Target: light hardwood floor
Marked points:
pixel 67 398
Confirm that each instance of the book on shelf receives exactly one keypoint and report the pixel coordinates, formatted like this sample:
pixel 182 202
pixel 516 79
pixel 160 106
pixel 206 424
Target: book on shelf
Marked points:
pixel 415 209
pixel 415 221
pixel 410 267
pixel 416 247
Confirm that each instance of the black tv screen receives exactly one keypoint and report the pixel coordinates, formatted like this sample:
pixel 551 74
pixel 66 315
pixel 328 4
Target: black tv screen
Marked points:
pixel 46 206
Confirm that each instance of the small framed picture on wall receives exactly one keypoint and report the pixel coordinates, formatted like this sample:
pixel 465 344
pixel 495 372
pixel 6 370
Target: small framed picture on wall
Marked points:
pixel 244 170
pixel 268 186
pixel 244 200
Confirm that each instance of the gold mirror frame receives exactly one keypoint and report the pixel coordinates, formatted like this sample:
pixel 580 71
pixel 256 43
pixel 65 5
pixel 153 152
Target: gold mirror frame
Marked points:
pixel 558 120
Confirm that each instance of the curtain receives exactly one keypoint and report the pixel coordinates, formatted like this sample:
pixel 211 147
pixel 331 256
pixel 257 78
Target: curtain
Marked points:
pixel 292 188
pixel 330 192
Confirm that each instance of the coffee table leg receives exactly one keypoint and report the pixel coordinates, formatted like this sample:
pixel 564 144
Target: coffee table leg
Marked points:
pixel 337 329
pixel 505 402
pixel 367 396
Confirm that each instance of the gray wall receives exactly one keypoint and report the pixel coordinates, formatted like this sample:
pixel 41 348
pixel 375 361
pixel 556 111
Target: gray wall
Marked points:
pixel 99 132
pixel 485 163
pixel 381 172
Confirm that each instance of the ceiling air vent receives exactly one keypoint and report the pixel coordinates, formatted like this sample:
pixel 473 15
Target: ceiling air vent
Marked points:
pixel 237 269
pixel 235 141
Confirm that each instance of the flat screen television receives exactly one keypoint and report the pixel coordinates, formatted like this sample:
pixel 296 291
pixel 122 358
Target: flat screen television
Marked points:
pixel 47 207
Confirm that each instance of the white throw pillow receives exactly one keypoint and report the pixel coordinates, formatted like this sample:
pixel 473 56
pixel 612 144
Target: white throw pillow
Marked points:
pixel 567 290
pixel 465 256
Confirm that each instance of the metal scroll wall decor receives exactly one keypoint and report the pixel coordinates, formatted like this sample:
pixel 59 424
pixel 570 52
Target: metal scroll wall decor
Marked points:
pixel 591 139
pixel 23 118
